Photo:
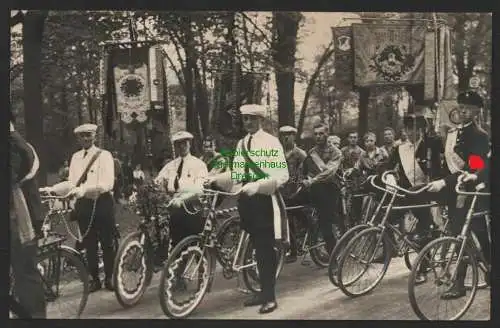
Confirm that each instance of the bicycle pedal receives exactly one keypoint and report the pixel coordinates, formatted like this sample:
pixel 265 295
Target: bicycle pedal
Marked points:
pixel 305 262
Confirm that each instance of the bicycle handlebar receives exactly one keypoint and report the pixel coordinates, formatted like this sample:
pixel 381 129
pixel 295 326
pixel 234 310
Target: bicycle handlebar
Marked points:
pixel 468 193
pixel 406 191
pixel 211 191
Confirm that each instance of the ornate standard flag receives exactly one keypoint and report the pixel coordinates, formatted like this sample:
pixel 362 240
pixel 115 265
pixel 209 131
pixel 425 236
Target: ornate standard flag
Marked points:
pixel 388 54
pixel 131 83
pixel 344 57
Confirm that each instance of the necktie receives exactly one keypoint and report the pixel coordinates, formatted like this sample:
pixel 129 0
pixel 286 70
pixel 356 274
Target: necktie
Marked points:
pixel 179 173
pixel 85 152
pixel 246 178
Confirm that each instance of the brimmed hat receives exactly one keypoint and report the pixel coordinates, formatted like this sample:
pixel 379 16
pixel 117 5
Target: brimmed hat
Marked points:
pixel 287 129
pixel 181 135
pixel 253 109
pixel 470 98
pixel 85 128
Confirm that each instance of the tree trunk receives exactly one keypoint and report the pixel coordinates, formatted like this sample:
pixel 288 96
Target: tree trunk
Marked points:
pixel 192 123
pixel 33 25
pixel 286 26
pixel 310 85
pixel 364 97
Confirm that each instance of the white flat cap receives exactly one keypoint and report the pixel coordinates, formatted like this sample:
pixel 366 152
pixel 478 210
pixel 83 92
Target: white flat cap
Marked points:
pixel 181 135
pixel 287 129
pixel 85 128
pixel 253 109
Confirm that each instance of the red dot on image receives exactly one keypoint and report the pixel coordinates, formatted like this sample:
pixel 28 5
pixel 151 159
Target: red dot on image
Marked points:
pixel 476 162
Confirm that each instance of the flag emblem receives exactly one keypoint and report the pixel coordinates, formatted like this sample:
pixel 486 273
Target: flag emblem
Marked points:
pixel 392 62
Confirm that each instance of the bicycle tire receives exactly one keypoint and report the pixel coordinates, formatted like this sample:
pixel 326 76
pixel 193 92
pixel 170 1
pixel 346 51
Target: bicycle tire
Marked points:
pixel 126 299
pixel 319 255
pixel 74 261
pixel 182 249
pixel 225 228
pixel 338 251
pixel 411 280
pixel 250 275
pixel 355 241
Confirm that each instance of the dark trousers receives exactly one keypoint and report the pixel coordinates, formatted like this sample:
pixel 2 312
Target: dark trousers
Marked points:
pixel 183 225
pixel 102 229
pixel 256 213
pixel 27 281
pixel 325 198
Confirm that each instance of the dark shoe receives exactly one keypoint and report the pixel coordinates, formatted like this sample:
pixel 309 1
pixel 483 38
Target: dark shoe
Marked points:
pixel 268 307
pixel 253 301
pixel 94 286
pixel 453 293
pixel 291 259
pixel 420 279
pixel 109 285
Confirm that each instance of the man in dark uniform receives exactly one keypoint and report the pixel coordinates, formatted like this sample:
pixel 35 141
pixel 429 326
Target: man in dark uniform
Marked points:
pixel 410 160
pixel 91 180
pixel 25 220
pixel 463 144
pixel 320 167
pixel 260 205
pixel 295 157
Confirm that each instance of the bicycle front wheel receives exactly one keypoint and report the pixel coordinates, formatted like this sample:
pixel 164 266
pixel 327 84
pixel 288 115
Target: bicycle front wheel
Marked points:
pixel 132 269
pixel 360 270
pixel 185 278
pixel 427 299
pixel 338 250
pixel 65 283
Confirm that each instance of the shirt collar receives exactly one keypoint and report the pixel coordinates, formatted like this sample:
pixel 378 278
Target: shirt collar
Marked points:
pixel 91 149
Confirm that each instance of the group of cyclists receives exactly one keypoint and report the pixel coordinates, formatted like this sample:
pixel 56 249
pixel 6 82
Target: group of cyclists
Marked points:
pixel 317 178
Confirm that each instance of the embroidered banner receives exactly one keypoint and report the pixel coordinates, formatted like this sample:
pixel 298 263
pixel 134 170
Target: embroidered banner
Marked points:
pixel 388 54
pixel 130 69
pixel 344 57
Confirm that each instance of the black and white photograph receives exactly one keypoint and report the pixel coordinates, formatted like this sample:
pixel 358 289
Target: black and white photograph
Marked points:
pixel 239 164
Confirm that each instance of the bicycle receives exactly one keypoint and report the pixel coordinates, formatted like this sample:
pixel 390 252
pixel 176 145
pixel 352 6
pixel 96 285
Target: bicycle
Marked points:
pixel 60 267
pixel 448 249
pixel 308 234
pixel 198 254
pixel 385 238
pixel 371 208
pixel 142 252
pixel 66 207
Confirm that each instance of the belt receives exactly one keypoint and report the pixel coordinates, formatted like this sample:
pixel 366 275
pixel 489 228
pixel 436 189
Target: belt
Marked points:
pixel 104 194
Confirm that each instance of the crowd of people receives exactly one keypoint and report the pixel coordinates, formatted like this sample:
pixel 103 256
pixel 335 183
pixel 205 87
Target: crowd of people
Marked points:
pixel 94 176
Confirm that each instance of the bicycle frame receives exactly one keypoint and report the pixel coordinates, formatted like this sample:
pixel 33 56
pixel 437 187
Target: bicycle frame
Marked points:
pixel 465 237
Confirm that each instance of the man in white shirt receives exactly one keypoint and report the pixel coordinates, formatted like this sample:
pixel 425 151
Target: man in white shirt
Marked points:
pixel 259 170
pixel 183 177
pixel 91 180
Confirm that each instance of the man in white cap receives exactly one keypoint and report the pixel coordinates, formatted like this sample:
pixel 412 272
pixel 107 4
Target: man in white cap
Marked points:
pixel 259 170
pixel 91 180
pixel 295 157
pixel 25 218
pixel 183 177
